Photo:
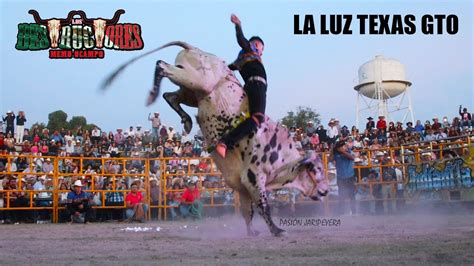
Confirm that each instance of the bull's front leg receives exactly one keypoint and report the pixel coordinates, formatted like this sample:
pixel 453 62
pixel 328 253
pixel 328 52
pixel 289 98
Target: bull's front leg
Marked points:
pixel 255 184
pixel 174 99
pixel 155 91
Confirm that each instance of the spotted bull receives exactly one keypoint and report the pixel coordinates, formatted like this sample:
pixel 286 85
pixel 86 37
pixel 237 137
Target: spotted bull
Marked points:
pixel 54 25
pixel 267 159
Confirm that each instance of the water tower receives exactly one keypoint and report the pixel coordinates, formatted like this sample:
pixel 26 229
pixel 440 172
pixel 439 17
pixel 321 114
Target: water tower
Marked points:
pixel 383 90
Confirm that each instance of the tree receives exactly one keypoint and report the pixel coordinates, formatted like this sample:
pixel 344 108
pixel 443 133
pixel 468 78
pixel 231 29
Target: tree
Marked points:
pixel 300 117
pixel 57 120
pixel 76 122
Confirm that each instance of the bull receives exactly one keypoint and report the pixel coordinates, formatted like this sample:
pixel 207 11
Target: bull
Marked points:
pixel 265 160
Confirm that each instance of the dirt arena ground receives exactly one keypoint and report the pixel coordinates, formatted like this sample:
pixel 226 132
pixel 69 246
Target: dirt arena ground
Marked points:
pixel 369 240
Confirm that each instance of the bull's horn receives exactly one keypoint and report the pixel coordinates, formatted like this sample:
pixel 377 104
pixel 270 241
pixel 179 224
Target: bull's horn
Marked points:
pixel 68 20
pixel 108 81
pixel 37 17
pixel 116 17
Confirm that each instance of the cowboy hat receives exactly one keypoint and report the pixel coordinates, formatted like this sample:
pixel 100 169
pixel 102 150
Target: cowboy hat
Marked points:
pixel 77 183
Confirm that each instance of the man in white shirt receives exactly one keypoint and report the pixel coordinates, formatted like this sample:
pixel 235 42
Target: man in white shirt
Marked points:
pixel 69 146
pixel 332 131
pixel 130 132
pixel 95 135
pixel 171 132
pixel 155 124
pixel 43 199
pixel 47 166
pixel 139 132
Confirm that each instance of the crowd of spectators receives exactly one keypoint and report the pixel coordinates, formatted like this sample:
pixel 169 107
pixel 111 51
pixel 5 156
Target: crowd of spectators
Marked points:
pixel 84 155
pixel 188 157
pixel 379 134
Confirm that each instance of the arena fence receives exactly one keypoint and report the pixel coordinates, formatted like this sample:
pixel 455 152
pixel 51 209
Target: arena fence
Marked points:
pixel 123 171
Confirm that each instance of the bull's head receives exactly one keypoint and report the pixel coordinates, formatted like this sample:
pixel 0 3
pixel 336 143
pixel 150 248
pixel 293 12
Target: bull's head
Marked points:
pixel 198 70
pixel 54 25
pixel 99 25
pixel 311 181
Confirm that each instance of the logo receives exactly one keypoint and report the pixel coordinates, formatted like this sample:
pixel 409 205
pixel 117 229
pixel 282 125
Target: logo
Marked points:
pixel 78 36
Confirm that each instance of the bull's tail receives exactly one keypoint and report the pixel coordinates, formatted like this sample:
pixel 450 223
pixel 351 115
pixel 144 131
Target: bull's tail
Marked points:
pixel 108 81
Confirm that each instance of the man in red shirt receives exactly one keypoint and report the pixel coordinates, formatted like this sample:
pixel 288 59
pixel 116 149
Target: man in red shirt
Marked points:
pixel 190 202
pixel 136 207
pixel 382 124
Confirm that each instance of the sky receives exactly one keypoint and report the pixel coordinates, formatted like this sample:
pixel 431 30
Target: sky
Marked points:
pixel 318 71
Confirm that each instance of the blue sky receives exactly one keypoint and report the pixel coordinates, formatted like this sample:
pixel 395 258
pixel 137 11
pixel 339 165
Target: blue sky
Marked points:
pixel 318 71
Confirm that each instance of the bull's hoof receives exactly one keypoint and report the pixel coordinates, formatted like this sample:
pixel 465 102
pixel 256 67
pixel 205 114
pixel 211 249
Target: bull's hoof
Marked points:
pixel 253 233
pixel 279 232
pixel 188 124
pixel 151 98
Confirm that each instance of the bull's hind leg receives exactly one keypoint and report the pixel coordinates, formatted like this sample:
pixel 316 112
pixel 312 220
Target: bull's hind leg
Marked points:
pixel 185 96
pixel 255 184
pixel 246 208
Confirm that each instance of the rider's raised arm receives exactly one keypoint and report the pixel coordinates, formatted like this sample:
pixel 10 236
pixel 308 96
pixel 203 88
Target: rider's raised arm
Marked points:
pixel 243 42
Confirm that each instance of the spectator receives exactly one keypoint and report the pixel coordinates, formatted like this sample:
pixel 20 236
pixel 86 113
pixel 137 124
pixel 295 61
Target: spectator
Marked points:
pixel 436 124
pixel 370 123
pixel 68 136
pixel 388 190
pixel 173 198
pixel 147 140
pixel 69 146
pixel 57 137
pixel 78 204
pixel 354 131
pixel 310 129
pixel 130 132
pixel 163 133
pixel 445 122
pixel 138 132
pixel 155 124
pixel 47 166
pixel 419 127
pixel 10 120
pixel 364 196
pixel 322 133
pixel 119 138
pixel 95 135
pixel 465 117
pixel 155 196
pixel 345 176
pixel 114 198
pixel 191 204
pixel 43 199
pixel 391 127
pixel 382 124
pixel 136 207
pixel 20 126
pixel 113 150
pixel 409 128
pixel 171 133
pixel 9 141
pixel 18 198
pixel 332 132
pixel 430 136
